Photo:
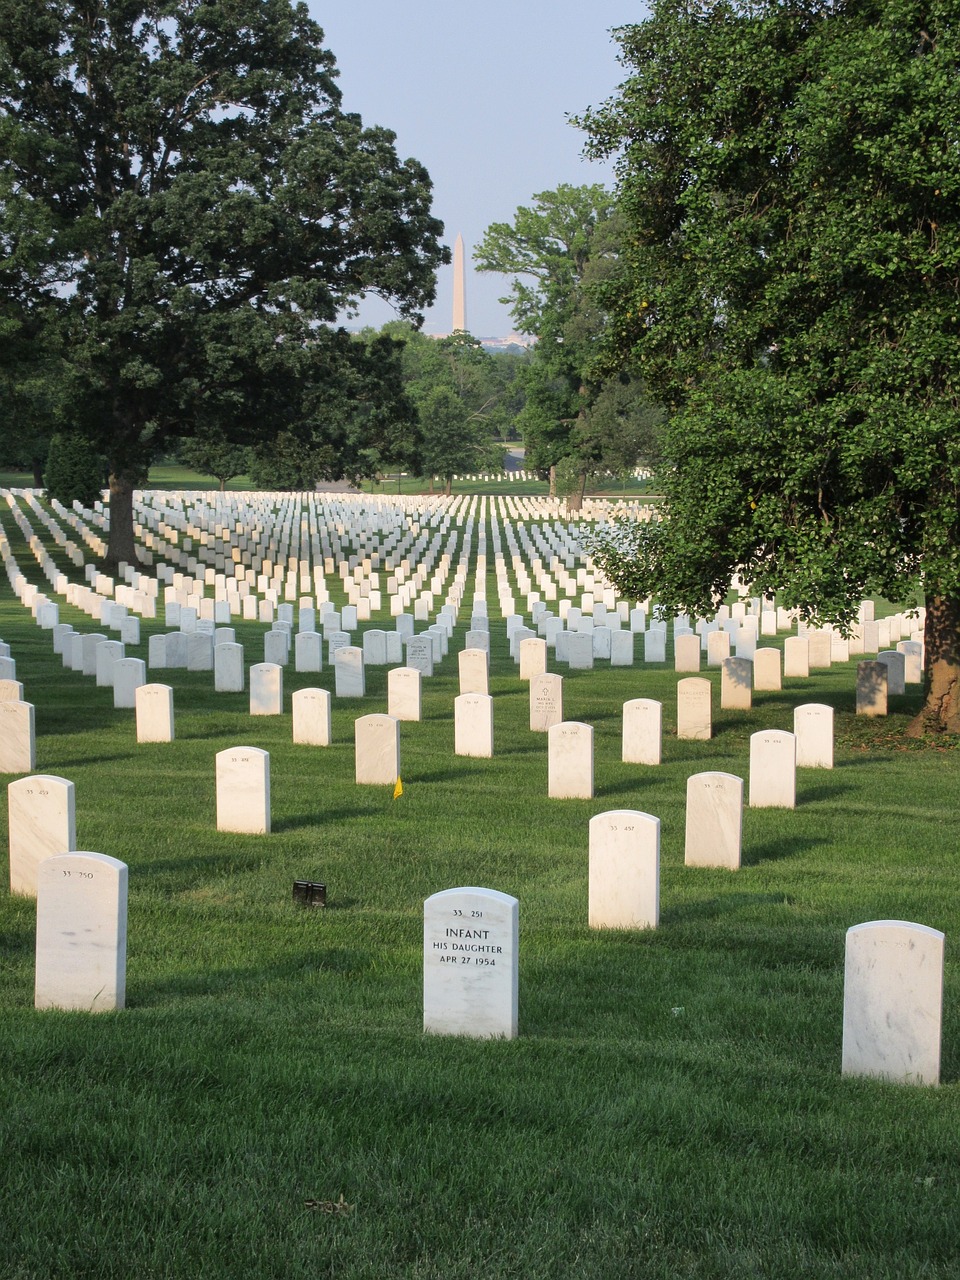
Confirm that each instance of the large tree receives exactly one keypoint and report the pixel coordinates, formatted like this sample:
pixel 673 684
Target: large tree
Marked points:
pixel 458 392
pixel 185 209
pixel 557 253
pixel 790 175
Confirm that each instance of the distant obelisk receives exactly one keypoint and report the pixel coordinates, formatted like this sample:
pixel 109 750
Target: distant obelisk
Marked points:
pixel 459 288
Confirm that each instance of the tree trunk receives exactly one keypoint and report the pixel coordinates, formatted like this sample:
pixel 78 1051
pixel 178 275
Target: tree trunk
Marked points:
pixel 448 487
pixel 38 464
pixel 941 637
pixel 553 481
pixel 121 544
pixel 574 499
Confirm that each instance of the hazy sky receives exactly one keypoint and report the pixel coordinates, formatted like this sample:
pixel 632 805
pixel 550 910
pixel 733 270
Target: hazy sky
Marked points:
pixel 479 94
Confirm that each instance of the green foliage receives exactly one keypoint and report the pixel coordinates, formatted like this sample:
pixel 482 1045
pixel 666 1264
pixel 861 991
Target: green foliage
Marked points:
pixel 559 252
pixel 74 471
pixel 789 175
pixel 216 457
pixel 184 210
pixel 452 440
pixel 461 397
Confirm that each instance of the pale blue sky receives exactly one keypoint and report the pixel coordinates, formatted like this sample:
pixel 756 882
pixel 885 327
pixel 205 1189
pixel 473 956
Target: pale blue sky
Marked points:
pixel 479 94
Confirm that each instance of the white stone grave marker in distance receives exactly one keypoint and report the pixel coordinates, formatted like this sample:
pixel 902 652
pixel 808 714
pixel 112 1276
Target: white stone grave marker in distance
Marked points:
pixel 243 790
pixel 570 761
pixel 714 821
pixel 624 876
pixel 311 717
pixel 642 731
pixel 813 730
pixel 377 750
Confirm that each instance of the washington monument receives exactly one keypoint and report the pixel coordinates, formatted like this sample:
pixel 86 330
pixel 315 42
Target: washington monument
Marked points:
pixel 459 288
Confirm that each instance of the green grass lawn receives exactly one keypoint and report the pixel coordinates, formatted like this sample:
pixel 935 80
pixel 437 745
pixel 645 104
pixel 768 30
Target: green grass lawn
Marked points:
pixel 267 1105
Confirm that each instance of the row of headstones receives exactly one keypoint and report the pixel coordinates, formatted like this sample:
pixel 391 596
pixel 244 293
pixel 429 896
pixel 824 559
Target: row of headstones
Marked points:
pixel 892 996
pixel 816 637
pixel 893 976
pixel 93 598
pixel 243 773
pixel 93 654
pixel 620 648
pixel 106 586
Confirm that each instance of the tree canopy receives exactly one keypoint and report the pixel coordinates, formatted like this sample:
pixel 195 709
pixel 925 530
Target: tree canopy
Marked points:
pixel 184 211
pixel 789 174
pixel 558 251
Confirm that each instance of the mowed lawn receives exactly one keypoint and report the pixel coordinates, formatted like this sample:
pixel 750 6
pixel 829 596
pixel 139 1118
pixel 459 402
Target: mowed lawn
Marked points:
pixel 267 1104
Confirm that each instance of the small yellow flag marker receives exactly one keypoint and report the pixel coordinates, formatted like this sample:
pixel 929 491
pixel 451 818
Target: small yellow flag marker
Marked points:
pixel 398 789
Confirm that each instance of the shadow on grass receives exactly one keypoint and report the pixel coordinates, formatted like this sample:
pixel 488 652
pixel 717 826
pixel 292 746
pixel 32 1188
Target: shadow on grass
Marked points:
pixel 716 908
pixel 810 795
pixel 778 850
pixel 18 940
pixel 629 786
pixel 249 983
pixel 84 762
pixel 318 819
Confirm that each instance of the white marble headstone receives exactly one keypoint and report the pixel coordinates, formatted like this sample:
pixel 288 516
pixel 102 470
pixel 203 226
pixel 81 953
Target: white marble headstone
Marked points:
pixel 624 876
pixel 773 770
pixel 642 731
pixel 42 822
pixel 736 684
pixel 81 932
pixel 311 717
pixel 813 730
pixel 266 689
pixel 694 709
pixel 404 693
pixel 128 675
pixel 796 657
pixel 473 669
pixel 349 677
pixel 377 748
pixel 893 1001
pixel 766 670
pixel 18 744
pixel 473 725
pixel 228 668
pixel 871 689
pixel 546 701
pixel 154 709
pixel 714 822
pixel 243 790
pixel 533 657
pixel 686 653
pixel 470 963
pixel 570 761
pixel 308 651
